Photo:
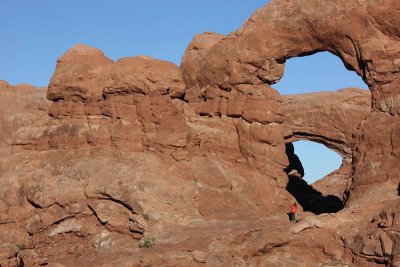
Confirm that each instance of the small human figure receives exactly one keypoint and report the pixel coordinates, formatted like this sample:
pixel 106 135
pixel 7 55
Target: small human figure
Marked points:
pixel 293 213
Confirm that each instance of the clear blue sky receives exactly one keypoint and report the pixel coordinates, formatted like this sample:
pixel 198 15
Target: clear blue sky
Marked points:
pixel 35 33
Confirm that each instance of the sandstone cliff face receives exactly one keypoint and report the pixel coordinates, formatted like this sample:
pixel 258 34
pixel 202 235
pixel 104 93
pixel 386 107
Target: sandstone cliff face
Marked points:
pixel 122 155
pixel 23 105
pixel 99 102
pixel 198 157
pixel 254 56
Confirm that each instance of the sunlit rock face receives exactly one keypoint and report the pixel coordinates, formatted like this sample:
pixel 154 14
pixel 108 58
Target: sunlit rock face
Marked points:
pixel 252 58
pixel 354 31
pixel 22 105
pixel 330 118
pixel 141 162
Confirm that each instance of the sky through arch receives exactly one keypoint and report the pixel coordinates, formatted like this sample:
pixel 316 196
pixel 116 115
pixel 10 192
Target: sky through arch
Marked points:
pixel 322 71
pixel 317 160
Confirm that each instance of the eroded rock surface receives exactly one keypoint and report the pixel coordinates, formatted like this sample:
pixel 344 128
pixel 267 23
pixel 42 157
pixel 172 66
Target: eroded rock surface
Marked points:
pixel 22 105
pixel 330 118
pixel 139 162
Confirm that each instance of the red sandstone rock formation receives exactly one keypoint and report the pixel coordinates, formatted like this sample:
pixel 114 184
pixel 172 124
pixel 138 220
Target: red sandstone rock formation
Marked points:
pixel 330 118
pixel 196 158
pixel 255 55
pixel 23 105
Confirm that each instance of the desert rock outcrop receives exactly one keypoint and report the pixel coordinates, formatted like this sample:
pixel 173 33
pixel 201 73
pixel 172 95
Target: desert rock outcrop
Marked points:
pixel 139 162
pixel 254 56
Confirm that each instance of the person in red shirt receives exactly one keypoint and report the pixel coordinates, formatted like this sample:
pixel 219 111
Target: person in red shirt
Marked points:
pixel 293 213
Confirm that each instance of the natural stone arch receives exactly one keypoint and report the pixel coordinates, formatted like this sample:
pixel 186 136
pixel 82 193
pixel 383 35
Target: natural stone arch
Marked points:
pixel 256 53
pixel 332 119
pixel 249 60
pixel 324 117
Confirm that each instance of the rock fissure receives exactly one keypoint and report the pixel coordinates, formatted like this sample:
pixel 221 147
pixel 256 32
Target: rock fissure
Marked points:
pixel 124 204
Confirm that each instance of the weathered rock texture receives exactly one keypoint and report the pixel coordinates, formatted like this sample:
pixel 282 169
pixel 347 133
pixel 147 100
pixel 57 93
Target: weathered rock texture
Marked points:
pixel 196 162
pixel 22 105
pixel 355 31
pixel 330 118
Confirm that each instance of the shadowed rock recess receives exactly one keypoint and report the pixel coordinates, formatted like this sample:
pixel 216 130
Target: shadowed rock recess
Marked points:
pixel 139 162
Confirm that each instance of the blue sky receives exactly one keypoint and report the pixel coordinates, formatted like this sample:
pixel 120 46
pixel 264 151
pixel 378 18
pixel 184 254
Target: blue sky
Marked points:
pixel 36 33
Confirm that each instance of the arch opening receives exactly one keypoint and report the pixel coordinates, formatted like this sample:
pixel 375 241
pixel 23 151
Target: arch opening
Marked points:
pixel 322 117
pixel 318 160
pixel 317 177
pixel 321 71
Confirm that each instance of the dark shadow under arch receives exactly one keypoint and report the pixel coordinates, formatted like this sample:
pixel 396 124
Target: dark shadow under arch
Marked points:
pixel 310 199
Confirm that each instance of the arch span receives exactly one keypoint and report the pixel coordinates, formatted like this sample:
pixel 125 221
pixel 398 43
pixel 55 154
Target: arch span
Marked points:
pixel 324 117
pixel 255 54
pixel 243 65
